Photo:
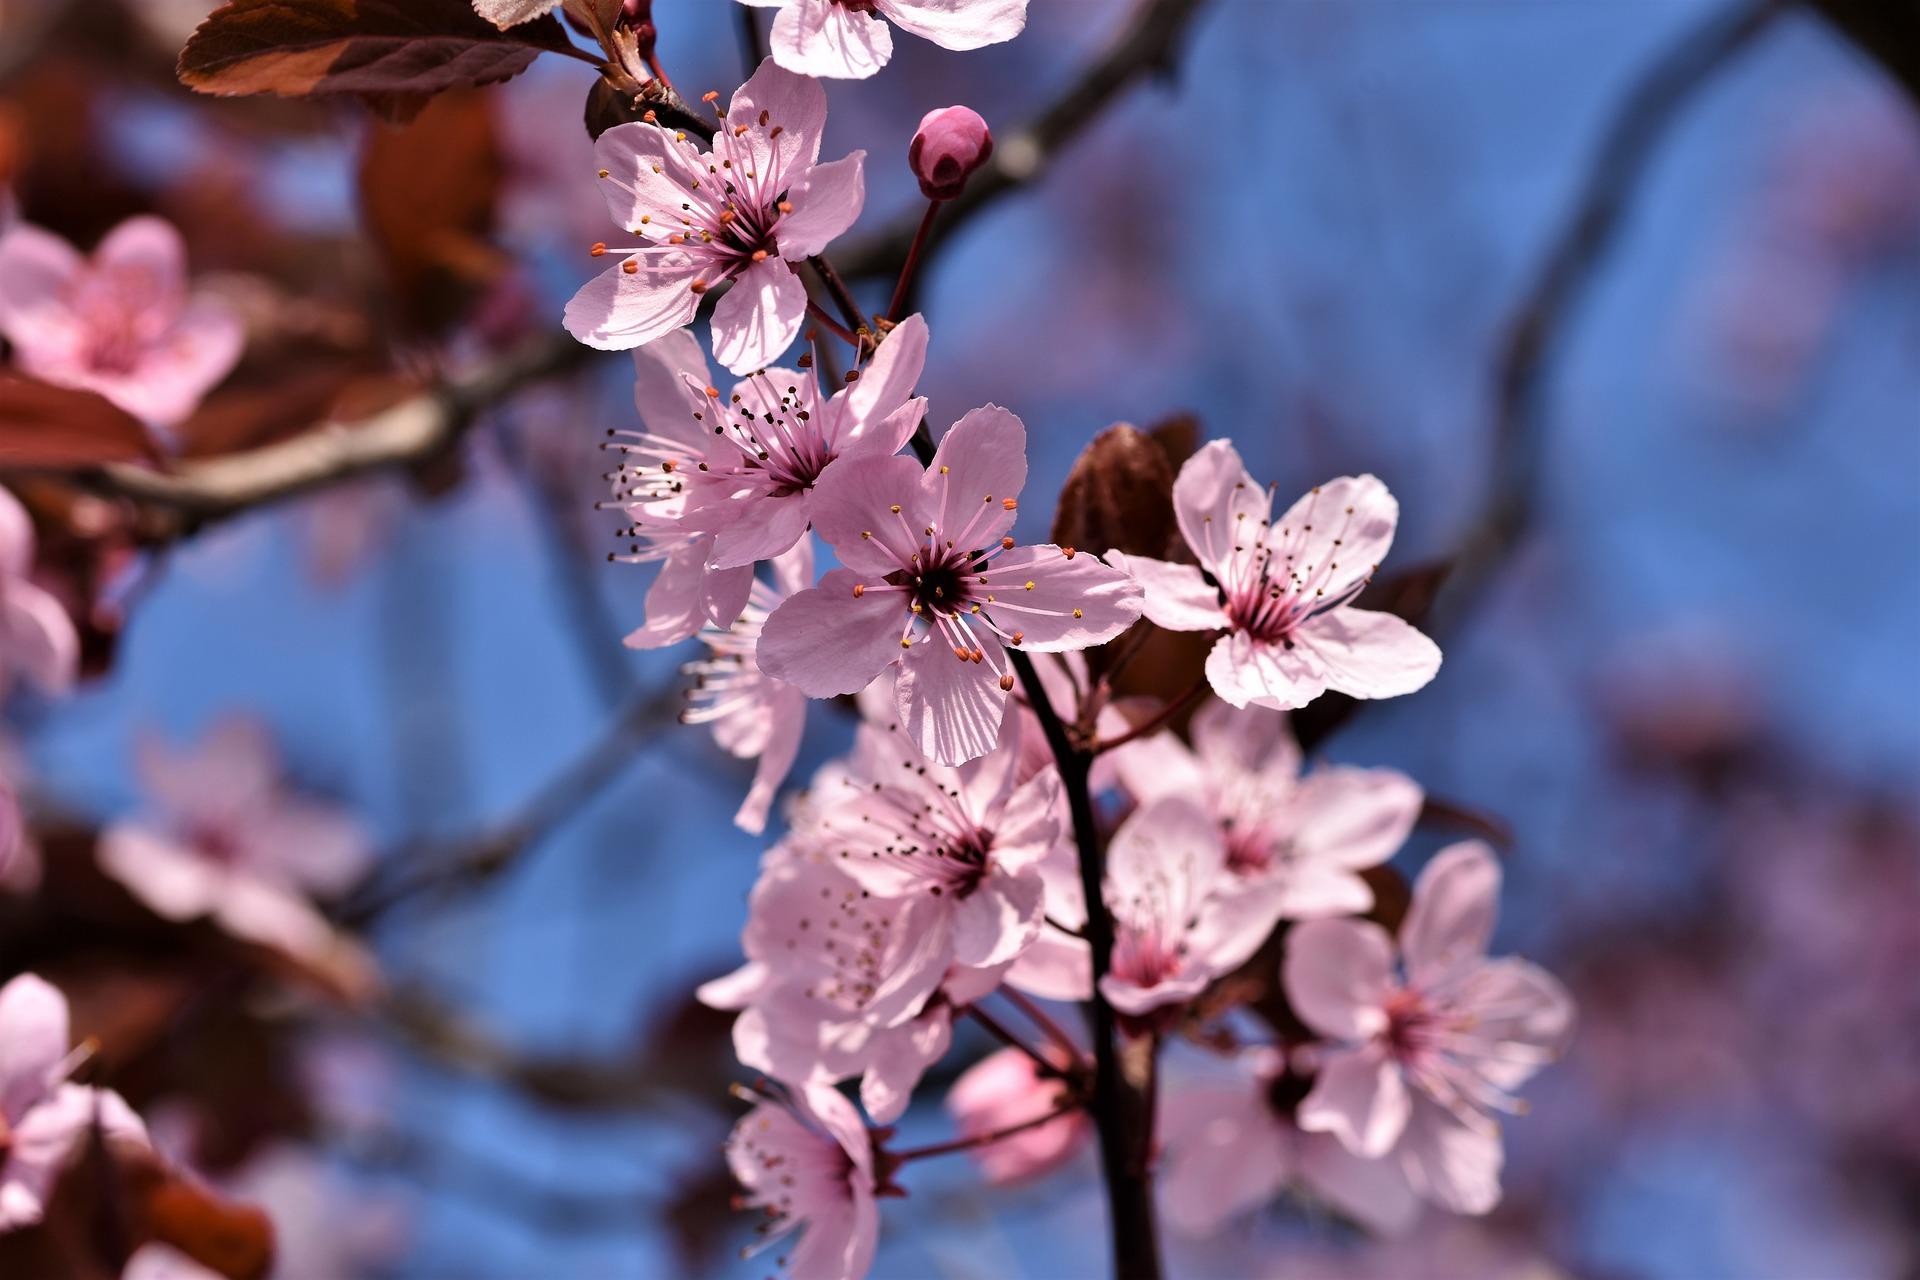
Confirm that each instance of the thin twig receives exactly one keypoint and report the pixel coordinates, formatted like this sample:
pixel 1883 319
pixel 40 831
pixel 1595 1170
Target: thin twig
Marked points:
pixel 1147 42
pixel 1166 715
pixel 1546 311
pixel 1001 1032
pixel 1059 1109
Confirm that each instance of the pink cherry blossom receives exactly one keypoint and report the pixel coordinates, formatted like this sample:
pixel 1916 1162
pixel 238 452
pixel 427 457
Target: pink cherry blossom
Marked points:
pixel 225 839
pixel 37 638
pixel 739 214
pixel 1006 1089
pixel 918 589
pixel 846 39
pixel 963 838
pixel 121 323
pixel 806 1161
pixel 1430 1051
pixel 949 145
pixel 1303 839
pixel 43 1118
pixel 753 715
pixel 1231 1145
pixel 1180 918
pixel 745 470
pixel 1283 590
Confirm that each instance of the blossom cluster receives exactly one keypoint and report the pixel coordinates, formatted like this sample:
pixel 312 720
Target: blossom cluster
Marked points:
pixel 936 872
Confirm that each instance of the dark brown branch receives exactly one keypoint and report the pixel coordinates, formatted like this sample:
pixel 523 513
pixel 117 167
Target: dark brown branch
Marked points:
pixel 473 862
pixel 1888 31
pixel 414 431
pixel 1546 311
pixel 1147 43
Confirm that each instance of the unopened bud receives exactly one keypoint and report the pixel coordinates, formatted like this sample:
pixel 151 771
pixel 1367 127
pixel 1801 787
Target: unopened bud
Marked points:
pixel 949 145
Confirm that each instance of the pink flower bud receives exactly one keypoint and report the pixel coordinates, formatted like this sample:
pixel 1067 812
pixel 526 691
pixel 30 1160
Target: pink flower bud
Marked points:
pixel 948 146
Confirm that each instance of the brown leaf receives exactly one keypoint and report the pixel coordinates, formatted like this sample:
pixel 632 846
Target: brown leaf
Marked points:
pixel 1179 436
pixel 42 425
pixel 390 53
pixel 428 193
pixel 235 1240
pixel 245 417
pixel 1119 495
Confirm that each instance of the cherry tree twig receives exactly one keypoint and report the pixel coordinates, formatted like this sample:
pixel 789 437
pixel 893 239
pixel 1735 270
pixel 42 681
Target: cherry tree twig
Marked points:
pixel 1547 310
pixel 1147 42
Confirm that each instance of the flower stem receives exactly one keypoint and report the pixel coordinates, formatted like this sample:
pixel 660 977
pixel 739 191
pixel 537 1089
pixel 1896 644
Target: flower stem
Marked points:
pixel 1122 1106
pixel 1040 1018
pixel 984 1139
pixel 1159 720
pixel 827 321
pixel 913 261
pixel 1005 1036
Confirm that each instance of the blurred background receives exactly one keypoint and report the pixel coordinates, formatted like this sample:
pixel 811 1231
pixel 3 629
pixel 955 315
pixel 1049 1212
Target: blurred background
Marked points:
pixel 1688 682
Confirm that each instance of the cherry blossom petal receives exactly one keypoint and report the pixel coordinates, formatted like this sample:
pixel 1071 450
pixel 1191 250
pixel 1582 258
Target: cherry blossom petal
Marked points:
pixel 899 1058
pixel 34 1038
pixel 1373 1192
pixel 147 256
pixel 675 607
pixel 1217 503
pixel 1248 672
pixel 1361 1099
pixel 1368 654
pixel 1348 521
pixel 796 105
pixel 1230 741
pixel 1157 766
pixel 665 373
pixel 618 310
pixel 888 381
pixel 1311 891
pixel 959 24
pixel 1172 844
pixel 16 538
pixel 825 641
pixel 45 1140
pixel 999 919
pixel 778 524
pixel 38 637
pixel 1451 919
pixel 824 205
pixel 37 268
pixel 726 591
pixel 981 464
pixel 789 715
pixel 1524 1013
pixel 1176 596
pixel 1225 1153
pixel 760 316
pixel 738 989
pixel 1338 974
pixel 196 355
pixel 648 177
pixel 850 512
pixel 320 848
pixel 1001 1090
pixel 1450 1163
pixel 1056 602
pixel 173 882
pixel 1353 817
pixel 1055 967
pixel 951 708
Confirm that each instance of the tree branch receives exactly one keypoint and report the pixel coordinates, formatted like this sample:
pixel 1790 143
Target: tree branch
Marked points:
pixel 1548 308
pixel 1148 42
pixel 416 430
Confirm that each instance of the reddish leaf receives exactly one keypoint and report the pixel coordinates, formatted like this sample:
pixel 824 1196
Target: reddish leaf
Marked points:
pixel 391 53
pixel 42 425
pixel 1179 436
pixel 427 195
pixel 1119 494
pixel 234 1240
pixel 245 417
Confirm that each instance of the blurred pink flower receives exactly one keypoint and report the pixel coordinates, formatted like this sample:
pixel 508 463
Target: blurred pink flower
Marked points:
pixel 753 715
pixel 121 323
pixel 741 213
pixel 42 1117
pixel 37 638
pixel 844 40
pixel 225 839
pixel 916 588
pixel 1283 591
pixel 1180 919
pixel 806 1161
pixel 1432 1053
pixel 164 1262
pixel 1005 1089
pixel 1302 839
pixel 1228 1147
